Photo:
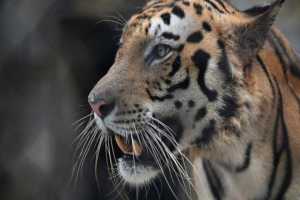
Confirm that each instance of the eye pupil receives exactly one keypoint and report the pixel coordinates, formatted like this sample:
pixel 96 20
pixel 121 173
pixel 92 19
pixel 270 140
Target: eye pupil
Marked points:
pixel 158 53
pixel 162 50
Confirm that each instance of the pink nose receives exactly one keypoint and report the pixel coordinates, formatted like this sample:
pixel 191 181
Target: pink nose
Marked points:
pixel 101 107
pixel 96 107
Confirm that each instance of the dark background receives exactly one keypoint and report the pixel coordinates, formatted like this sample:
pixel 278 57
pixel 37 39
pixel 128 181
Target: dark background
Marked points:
pixel 52 52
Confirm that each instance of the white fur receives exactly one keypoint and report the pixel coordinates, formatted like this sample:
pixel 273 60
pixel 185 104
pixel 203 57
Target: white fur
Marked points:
pixel 136 175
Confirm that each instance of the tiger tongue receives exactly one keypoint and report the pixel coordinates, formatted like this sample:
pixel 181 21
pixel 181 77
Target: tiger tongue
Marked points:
pixel 130 149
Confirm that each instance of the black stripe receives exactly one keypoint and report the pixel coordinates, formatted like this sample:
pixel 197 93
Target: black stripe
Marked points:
pixel 174 124
pixel 247 159
pixel 223 63
pixel 223 5
pixel 214 6
pixel 294 69
pixel 178 12
pixel 157 98
pixel 213 179
pixel 180 48
pixel 286 148
pixel 175 66
pixel 278 47
pixel 206 26
pixel 200 113
pixel 195 37
pixel 186 3
pixel 276 157
pixel 181 85
pixel 170 36
pixel 166 17
pixel 207 134
pixel 230 107
pixel 201 59
pixel 279 150
pixel 198 8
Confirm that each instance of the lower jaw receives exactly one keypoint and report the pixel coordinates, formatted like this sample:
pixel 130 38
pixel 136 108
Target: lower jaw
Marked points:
pixel 136 174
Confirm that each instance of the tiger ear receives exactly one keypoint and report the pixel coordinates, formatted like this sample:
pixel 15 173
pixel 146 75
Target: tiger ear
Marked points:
pixel 250 33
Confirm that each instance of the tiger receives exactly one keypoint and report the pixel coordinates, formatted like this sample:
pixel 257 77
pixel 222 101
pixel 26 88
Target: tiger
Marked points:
pixel 207 92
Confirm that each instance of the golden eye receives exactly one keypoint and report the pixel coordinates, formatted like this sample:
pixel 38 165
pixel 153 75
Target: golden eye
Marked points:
pixel 161 50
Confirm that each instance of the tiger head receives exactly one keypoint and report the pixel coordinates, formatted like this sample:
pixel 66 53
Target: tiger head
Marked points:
pixel 177 81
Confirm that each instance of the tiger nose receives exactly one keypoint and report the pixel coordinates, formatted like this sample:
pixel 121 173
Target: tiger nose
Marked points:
pixel 101 106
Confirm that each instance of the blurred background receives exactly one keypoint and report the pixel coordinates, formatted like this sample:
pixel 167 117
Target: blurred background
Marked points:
pixel 52 52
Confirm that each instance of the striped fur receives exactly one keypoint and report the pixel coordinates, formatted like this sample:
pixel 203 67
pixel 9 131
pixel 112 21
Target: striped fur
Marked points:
pixel 231 83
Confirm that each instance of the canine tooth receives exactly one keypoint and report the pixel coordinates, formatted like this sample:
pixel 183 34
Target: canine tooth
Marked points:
pixel 137 149
pixel 125 148
pixel 131 149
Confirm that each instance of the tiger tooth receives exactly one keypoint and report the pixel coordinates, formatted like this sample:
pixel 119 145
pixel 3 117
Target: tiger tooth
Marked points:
pixel 125 148
pixel 137 148
pixel 131 149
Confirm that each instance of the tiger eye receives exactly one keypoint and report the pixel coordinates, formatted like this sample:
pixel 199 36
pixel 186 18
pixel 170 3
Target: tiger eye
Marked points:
pixel 162 50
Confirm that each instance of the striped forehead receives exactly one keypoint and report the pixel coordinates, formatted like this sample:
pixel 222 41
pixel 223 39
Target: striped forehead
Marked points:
pixel 177 17
pixel 170 23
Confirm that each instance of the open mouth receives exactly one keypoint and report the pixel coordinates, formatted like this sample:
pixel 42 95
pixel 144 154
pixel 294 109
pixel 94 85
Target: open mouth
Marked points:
pixel 141 156
pixel 129 147
pixel 135 164
pixel 132 150
pixel 142 150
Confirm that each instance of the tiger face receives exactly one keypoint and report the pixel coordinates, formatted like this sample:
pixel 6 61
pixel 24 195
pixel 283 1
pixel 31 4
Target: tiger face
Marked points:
pixel 176 81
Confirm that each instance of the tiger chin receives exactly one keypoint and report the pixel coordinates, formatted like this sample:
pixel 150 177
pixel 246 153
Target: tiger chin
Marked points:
pixel 206 91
